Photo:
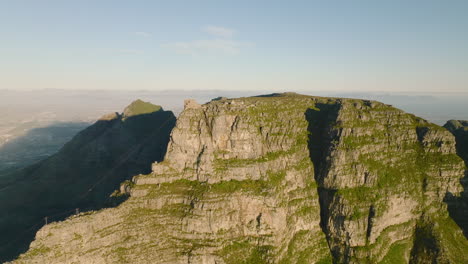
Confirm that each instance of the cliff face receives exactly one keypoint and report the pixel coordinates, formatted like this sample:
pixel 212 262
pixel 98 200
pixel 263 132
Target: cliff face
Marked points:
pixel 280 179
pixel 383 173
pixel 82 174
pixel 458 206
pixel 459 128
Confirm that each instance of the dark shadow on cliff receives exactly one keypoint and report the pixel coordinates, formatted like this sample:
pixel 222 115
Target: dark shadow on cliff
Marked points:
pixel 458 205
pixel 320 122
pixel 82 175
pixel 36 145
pixel 425 245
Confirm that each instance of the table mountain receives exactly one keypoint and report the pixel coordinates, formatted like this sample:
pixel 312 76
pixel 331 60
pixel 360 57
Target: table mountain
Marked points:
pixel 282 178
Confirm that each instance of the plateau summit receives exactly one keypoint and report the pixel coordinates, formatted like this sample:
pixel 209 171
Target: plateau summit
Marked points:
pixel 281 178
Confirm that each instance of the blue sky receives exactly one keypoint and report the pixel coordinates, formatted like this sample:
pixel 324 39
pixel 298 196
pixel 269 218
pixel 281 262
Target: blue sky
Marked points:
pixel 417 46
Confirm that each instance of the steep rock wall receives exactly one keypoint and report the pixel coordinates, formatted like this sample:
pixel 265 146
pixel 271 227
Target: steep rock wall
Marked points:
pixel 381 173
pixel 280 179
pixel 236 186
pixel 458 206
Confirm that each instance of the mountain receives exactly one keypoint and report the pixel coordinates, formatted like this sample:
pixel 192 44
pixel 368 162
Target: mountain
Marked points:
pixel 83 174
pixel 281 178
pixel 36 144
pixel 458 206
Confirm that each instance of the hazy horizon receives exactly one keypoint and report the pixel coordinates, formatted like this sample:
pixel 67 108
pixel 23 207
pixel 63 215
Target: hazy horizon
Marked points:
pixel 262 46
pixel 88 105
pixel 68 61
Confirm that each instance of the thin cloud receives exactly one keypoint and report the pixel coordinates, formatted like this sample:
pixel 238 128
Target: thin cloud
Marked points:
pixel 221 32
pixel 213 46
pixel 221 43
pixel 143 34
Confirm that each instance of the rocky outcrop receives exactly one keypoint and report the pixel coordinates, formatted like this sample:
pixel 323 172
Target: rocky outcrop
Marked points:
pixel 83 174
pixel 459 128
pixel 458 206
pixel 283 178
pixel 381 173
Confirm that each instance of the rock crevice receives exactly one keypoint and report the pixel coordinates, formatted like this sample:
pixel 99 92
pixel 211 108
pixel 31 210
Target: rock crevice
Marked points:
pixel 282 178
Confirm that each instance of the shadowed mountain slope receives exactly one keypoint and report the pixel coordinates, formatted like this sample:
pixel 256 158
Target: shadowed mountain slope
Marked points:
pixel 36 145
pixel 83 173
pixel 283 178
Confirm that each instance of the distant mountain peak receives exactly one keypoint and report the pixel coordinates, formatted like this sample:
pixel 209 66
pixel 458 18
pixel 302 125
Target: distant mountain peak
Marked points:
pixel 139 107
pixel 279 178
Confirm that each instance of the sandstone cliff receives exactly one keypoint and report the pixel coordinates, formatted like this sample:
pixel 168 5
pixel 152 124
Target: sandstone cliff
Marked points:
pixel 458 206
pixel 83 173
pixel 280 179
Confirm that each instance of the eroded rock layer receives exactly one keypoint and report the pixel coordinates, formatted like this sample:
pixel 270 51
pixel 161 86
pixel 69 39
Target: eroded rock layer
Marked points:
pixel 382 174
pixel 280 179
pixel 458 206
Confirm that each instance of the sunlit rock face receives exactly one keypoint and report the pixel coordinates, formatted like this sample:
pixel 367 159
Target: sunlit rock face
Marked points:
pixel 283 178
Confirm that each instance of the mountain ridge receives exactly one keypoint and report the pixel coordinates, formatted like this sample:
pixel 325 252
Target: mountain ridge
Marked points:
pixel 82 175
pixel 280 179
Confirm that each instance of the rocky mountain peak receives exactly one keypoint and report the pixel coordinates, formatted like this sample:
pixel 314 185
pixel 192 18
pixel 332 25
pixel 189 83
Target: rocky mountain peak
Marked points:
pixel 280 179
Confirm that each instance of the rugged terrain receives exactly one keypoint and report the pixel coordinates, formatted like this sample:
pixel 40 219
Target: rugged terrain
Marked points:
pixel 459 128
pixel 280 179
pixel 458 206
pixel 83 174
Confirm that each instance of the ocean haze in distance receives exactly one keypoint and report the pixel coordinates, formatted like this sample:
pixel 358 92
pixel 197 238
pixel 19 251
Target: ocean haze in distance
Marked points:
pixel 56 105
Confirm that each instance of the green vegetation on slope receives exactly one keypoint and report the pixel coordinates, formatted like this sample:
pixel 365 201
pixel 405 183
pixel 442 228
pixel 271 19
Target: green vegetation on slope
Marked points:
pixel 263 206
pixel 139 107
